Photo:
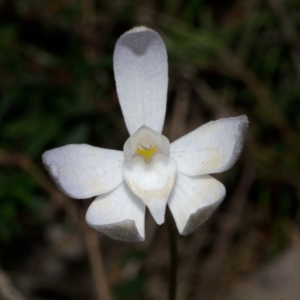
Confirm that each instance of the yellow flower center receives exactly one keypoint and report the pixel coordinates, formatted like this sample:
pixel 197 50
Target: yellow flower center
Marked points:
pixel 146 153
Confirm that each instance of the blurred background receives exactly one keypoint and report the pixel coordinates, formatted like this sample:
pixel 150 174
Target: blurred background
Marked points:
pixel 226 58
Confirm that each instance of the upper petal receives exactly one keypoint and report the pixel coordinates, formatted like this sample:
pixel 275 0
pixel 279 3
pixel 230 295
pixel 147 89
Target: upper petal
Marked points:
pixel 212 148
pixel 193 200
pixel 83 171
pixel 118 214
pixel 152 182
pixel 141 74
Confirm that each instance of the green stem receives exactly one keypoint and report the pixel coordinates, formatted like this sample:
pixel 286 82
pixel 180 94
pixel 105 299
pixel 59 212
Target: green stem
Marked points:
pixel 173 255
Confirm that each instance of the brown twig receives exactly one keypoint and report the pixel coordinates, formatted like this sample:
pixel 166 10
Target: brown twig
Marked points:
pixel 190 254
pixel 288 31
pixel 7 289
pixel 260 92
pixel 211 100
pixel 29 167
pixel 88 12
pixel 96 262
pixel 90 237
pixel 251 10
pixel 180 111
pixel 211 267
pixel 235 67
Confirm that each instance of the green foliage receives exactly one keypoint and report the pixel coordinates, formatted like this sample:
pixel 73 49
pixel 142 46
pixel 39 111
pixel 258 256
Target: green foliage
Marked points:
pixel 19 201
pixel 129 289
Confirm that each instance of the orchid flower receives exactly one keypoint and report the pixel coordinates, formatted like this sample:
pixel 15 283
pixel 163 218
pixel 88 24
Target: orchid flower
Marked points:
pixel 150 172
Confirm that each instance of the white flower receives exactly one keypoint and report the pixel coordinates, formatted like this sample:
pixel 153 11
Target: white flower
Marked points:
pixel 149 172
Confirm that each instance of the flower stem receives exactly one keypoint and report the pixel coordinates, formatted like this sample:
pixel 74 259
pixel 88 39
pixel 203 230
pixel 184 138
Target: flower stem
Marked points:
pixel 173 255
pixel 96 263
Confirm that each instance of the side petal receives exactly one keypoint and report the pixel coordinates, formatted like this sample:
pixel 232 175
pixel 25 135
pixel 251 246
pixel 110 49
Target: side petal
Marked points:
pixel 119 215
pixel 212 148
pixel 193 200
pixel 152 182
pixel 141 74
pixel 83 171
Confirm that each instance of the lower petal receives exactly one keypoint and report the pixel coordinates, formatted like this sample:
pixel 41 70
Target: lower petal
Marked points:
pixel 193 200
pixel 152 182
pixel 118 214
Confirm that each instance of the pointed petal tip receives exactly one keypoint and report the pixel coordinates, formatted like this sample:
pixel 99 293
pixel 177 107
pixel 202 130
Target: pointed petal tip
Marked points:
pixel 244 122
pixel 160 222
pixel 158 212
pixel 244 118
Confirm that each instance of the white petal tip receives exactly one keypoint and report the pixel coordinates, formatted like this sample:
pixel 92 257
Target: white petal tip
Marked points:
pixel 138 29
pixel 157 210
pixel 244 119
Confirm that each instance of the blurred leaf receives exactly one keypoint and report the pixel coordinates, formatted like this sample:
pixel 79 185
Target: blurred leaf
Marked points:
pixel 130 288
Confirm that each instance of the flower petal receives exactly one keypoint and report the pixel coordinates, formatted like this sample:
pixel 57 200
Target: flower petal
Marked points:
pixel 118 214
pixel 141 74
pixel 193 200
pixel 212 148
pixel 83 171
pixel 152 182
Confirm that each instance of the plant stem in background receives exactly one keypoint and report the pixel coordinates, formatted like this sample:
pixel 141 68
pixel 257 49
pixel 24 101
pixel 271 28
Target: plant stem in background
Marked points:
pixel 7 290
pixel 173 255
pixel 96 262
pixel 90 236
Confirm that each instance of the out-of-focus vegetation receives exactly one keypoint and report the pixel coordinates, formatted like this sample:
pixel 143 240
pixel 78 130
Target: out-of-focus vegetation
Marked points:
pixel 56 87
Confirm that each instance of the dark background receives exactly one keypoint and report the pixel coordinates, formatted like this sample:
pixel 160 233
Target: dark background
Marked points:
pixel 226 58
